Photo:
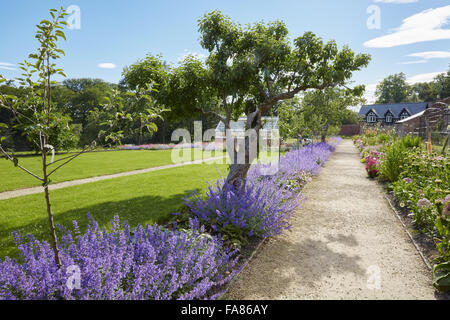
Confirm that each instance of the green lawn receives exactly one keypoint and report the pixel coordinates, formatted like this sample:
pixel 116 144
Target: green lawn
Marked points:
pixel 86 165
pixel 144 198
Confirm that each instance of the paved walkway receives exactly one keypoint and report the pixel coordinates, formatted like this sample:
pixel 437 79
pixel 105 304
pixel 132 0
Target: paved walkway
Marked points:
pixel 345 243
pixel 23 192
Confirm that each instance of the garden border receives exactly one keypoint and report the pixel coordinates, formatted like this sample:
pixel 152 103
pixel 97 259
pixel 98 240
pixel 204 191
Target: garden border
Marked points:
pixel 439 295
pixel 425 259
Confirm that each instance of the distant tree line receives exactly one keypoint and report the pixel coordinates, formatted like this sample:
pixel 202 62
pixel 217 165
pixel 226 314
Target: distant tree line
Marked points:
pixel 395 89
pixel 79 103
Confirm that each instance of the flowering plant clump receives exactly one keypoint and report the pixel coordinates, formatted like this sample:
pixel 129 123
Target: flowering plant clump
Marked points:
pixel 149 263
pixel 259 208
pixel 372 165
pixel 307 159
pixel 424 181
pixel 373 161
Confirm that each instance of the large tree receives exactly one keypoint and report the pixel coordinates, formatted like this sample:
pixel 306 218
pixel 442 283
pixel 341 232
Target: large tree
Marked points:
pixel 393 89
pixel 248 70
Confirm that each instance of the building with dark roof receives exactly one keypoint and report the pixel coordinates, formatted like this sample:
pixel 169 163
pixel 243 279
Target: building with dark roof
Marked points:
pixel 388 114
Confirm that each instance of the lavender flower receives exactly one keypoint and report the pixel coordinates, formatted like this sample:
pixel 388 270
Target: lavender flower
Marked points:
pixel 151 263
pixel 407 180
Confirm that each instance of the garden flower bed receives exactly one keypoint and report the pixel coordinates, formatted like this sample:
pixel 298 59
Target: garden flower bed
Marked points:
pixel 188 259
pixel 419 183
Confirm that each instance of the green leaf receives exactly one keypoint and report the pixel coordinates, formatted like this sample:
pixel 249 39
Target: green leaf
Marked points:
pixel 441 276
pixel 15 161
pixel 10 97
pixel 61 34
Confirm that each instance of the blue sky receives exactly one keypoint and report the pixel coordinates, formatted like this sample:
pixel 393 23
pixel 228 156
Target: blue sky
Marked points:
pixel 410 36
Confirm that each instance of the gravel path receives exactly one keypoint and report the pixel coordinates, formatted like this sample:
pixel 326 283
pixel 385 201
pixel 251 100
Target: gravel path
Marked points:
pixel 345 243
pixel 26 191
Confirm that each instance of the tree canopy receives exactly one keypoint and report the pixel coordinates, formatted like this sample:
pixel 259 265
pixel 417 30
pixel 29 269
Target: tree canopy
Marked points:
pixel 393 89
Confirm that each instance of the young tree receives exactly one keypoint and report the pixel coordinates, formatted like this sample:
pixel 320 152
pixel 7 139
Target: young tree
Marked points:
pixel 36 115
pixel 249 70
pixel 325 108
pixel 291 119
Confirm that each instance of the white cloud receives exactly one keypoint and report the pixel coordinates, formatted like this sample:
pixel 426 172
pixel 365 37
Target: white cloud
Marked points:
pixel 186 53
pixel 397 1
pixel 107 65
pixel 427 55
pixel 423 77
pixel 424 26
pixel 414 62
pixel 431 55
pixel 7 66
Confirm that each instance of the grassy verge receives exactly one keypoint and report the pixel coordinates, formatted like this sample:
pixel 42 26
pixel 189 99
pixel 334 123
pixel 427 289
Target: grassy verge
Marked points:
pixel 145 198
pixel 86 165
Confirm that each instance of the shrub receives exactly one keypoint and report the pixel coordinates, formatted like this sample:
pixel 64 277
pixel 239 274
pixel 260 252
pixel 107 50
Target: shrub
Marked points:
pixel 383 138
pixel 391 166
pixel 259 208
pixel 411 142
pixel 150 263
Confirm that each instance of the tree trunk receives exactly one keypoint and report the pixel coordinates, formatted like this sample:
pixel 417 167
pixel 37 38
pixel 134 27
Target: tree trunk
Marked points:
pixel 323 137
pixel 51 223
pixel 238 171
